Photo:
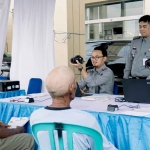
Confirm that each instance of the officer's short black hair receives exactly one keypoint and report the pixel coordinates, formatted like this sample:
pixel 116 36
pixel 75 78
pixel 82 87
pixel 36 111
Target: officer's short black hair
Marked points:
pixel 103 48
pixel 145 18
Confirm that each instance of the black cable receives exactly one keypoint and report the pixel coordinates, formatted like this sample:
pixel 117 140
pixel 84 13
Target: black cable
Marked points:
pixel 69 33
pixel 16 100
pixel 131 106
pixel 67 36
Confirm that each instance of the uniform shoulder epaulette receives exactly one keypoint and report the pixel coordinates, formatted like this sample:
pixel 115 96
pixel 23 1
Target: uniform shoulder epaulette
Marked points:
pixel 104 69
pixel 90 70
pixel 136 37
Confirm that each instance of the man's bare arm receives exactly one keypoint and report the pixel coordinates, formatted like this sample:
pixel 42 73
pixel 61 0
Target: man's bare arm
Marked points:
pixel 5 132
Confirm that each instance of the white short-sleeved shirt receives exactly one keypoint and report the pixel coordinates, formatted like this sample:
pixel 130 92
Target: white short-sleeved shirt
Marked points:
pixel 71 116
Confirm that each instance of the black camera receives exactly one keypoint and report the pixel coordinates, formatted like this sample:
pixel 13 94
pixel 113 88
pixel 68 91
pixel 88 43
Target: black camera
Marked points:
pixel 79 58
pixel 147 63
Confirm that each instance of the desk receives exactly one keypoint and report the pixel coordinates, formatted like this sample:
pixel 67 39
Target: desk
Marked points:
pixel 12 93
pixel 124 131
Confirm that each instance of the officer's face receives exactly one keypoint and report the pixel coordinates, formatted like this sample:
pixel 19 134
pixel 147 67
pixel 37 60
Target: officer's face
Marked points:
pixel 144 29
pixel 97 58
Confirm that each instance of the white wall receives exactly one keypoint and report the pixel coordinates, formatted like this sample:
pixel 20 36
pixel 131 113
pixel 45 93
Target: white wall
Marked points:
pixel 60 25
pixel 146 7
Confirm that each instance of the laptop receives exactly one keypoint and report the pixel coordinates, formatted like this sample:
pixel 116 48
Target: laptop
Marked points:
pixel 137 91
pixel 79 94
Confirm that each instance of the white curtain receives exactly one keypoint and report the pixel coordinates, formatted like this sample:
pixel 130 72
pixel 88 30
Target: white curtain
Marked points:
pixel 4 11
pixel 32 46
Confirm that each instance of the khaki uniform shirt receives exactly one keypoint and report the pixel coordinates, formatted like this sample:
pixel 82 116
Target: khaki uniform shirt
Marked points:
pixel 99 81
pixel 135 61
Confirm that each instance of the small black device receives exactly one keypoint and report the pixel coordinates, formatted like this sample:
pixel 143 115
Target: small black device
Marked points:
pixel 79 94
pixel 29 100
pixel 7 85
pixel 112 107
pixel 79 58
pixel 147 63
pixel 120 99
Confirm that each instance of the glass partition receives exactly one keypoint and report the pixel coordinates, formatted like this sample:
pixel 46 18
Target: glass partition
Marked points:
pixel 112 30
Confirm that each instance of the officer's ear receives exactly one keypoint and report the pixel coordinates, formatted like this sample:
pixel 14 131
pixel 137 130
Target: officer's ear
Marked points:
pixel 104 58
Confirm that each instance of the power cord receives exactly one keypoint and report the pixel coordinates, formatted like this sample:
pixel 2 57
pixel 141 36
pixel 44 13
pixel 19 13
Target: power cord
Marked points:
pixel 131 106
pixel 122 99
pixel 111 107
pixel 16 100
pixel 28 100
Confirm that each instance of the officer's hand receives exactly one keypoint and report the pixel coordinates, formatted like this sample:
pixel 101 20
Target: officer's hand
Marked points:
pixel 20 129
pixel 82 91
pixel 77 65
pixel 3 125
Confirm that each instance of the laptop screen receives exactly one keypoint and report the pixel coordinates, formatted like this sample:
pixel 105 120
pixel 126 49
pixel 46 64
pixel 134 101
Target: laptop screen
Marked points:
pixel 79 94
pixel 137 91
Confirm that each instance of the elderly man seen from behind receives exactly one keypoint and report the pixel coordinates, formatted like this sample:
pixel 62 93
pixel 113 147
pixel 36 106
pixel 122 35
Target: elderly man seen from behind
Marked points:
pixel 61 85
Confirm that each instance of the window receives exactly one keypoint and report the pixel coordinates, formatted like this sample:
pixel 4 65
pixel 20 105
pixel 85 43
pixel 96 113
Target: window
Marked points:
pixel 114 10
pixel 93 31
pixel 112 30
pixel 91 13
pixel 133 8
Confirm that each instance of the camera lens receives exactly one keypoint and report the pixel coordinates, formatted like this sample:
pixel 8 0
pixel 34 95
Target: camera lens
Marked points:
pixel 72 60
pixel 147 63
pixel 79 58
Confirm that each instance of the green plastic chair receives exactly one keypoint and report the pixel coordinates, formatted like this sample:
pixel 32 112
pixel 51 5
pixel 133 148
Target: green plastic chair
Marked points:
pixel 70 128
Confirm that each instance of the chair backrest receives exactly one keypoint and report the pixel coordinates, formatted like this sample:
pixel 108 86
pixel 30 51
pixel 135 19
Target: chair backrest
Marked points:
pixel 115 92
pixel 35 85
pixel 70 128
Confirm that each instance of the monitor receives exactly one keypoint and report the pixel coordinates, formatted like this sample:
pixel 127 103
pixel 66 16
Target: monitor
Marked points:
pixel 117 30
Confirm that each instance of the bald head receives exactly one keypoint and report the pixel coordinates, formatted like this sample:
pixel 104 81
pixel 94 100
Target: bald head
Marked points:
pixel 59 80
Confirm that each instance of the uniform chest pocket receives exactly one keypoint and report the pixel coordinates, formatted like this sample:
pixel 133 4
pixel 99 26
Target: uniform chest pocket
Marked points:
pixel 133 52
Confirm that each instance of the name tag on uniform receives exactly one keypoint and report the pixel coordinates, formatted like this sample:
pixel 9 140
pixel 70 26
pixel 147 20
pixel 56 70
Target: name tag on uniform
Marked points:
pixel 144 59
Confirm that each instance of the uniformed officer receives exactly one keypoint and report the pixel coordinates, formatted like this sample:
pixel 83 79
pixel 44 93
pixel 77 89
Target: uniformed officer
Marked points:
pixel 140 52
pixel 101 78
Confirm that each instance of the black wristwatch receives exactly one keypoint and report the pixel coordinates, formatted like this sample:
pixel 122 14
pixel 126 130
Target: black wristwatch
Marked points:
pixel 80 69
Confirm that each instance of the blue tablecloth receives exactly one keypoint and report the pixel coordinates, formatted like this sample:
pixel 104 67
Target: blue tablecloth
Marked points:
pixel 125 132
pixel 12 93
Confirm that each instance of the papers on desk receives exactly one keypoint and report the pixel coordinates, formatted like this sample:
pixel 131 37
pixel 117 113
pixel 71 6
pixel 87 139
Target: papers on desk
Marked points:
pixel 18 121
pixel 95 98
